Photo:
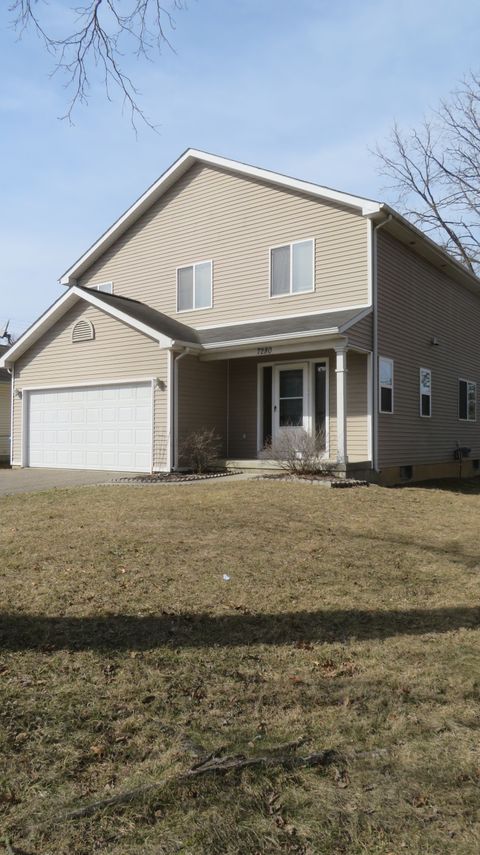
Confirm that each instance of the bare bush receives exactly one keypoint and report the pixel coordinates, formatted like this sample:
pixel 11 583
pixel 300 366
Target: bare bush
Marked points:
pixel 299 452
pixel 201 449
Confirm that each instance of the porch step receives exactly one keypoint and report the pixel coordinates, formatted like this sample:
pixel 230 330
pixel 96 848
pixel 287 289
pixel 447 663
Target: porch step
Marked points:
pixel 360 469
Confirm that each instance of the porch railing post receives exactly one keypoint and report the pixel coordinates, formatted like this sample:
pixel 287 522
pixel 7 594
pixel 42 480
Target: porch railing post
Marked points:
pixel 341 375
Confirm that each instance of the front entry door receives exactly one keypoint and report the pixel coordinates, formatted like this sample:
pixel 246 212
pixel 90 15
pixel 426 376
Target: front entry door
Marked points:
pixel 290 397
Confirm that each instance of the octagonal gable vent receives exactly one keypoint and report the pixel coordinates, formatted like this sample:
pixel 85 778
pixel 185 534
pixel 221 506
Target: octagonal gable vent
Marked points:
pixel 83 330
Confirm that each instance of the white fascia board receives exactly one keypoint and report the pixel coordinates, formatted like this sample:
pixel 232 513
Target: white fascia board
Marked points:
pixel 55 311
pixel 298 345
pixel 68 299
pixel 176 170
pixel 447 259
pixel 286 337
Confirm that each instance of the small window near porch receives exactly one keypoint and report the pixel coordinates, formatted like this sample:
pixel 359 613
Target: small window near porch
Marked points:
pixel 385 382
pixel 425 392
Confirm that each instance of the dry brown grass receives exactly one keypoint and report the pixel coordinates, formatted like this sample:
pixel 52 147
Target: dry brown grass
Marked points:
pixel 351 618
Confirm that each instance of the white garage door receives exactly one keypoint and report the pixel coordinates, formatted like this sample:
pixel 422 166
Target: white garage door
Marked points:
pixel 93 427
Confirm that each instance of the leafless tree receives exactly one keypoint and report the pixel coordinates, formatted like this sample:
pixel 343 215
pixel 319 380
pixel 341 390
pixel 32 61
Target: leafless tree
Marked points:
pixel 436 172
pixel 94 37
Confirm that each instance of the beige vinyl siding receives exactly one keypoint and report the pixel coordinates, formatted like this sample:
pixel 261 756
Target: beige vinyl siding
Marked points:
pixel 361 334
pixel 117 352
pixel 202 399
pixel 5 421
pixel 242 417
pixel 234 220
pixel 415 303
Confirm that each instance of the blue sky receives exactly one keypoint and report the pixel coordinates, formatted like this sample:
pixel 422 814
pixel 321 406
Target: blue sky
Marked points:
pixel 304 87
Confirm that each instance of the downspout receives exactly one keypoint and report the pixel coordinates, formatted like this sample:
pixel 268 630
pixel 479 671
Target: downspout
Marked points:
pixel 185 352
pixel 375 337
pixel 12 404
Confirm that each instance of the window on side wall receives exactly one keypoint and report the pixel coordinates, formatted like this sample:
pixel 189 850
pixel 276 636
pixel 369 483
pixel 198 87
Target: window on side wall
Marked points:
pixel 425 392
pixel 194 286
pixel 385 382
pixel 291 268
pixel 467 400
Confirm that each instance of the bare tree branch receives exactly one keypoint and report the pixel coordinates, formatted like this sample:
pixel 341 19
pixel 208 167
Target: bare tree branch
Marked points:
pixel 435 171
pixel 99 35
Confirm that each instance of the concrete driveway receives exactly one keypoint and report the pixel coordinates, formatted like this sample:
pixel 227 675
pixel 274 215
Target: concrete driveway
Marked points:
pixel 35 480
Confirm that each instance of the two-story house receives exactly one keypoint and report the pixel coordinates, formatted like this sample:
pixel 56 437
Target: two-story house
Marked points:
pixel 236 298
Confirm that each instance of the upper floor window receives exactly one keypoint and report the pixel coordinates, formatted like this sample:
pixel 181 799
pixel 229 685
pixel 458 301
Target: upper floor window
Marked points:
pixel 291 268
pixel 467 400
pixel 385 382
pixel 106 287
pixel 194 286
pixel 425 392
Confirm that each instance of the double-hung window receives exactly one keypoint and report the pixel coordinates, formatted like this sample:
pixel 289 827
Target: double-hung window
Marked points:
pixel 291 268
pixel 425 392
pixel 385 383
pixel 194 286
pixel 467 400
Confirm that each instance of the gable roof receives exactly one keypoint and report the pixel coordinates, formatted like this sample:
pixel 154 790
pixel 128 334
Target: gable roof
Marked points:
pixel 167 331
pixel 171 333
pixel 182 165
pixel 378 212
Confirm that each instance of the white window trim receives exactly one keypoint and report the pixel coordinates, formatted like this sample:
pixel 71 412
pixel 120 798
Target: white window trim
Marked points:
pixel 473 383
pixel 195 264
pixel 422 415
pixel 385 386
pixel 100 286
pixel 290 293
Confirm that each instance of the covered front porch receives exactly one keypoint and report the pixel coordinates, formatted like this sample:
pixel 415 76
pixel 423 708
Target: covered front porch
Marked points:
pixel 250 399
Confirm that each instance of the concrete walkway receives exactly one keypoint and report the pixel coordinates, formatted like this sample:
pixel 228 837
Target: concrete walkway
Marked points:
pixel 14 481
pixel 35 480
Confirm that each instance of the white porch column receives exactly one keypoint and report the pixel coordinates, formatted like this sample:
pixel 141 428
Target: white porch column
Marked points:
pixel 341 374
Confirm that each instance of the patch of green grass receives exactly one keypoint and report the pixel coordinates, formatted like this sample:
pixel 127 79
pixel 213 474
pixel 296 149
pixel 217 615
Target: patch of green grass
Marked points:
pixel 351 618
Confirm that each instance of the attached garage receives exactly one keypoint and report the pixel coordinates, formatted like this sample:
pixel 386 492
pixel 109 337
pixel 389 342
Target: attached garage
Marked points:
pixel 90 427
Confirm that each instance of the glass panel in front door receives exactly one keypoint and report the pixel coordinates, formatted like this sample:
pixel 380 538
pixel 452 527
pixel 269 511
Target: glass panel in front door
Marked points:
pixel 291 397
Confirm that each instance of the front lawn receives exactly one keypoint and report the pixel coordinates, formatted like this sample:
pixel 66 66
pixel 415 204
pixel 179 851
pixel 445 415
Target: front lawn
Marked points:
pixel 350 619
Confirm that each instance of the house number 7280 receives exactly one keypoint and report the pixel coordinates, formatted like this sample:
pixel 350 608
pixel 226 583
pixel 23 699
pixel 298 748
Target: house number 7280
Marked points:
pixel 262 351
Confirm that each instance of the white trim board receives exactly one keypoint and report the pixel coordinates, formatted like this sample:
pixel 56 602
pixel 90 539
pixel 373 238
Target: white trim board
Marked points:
pixel 300 346
pixel 179 168
pixel 91 384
